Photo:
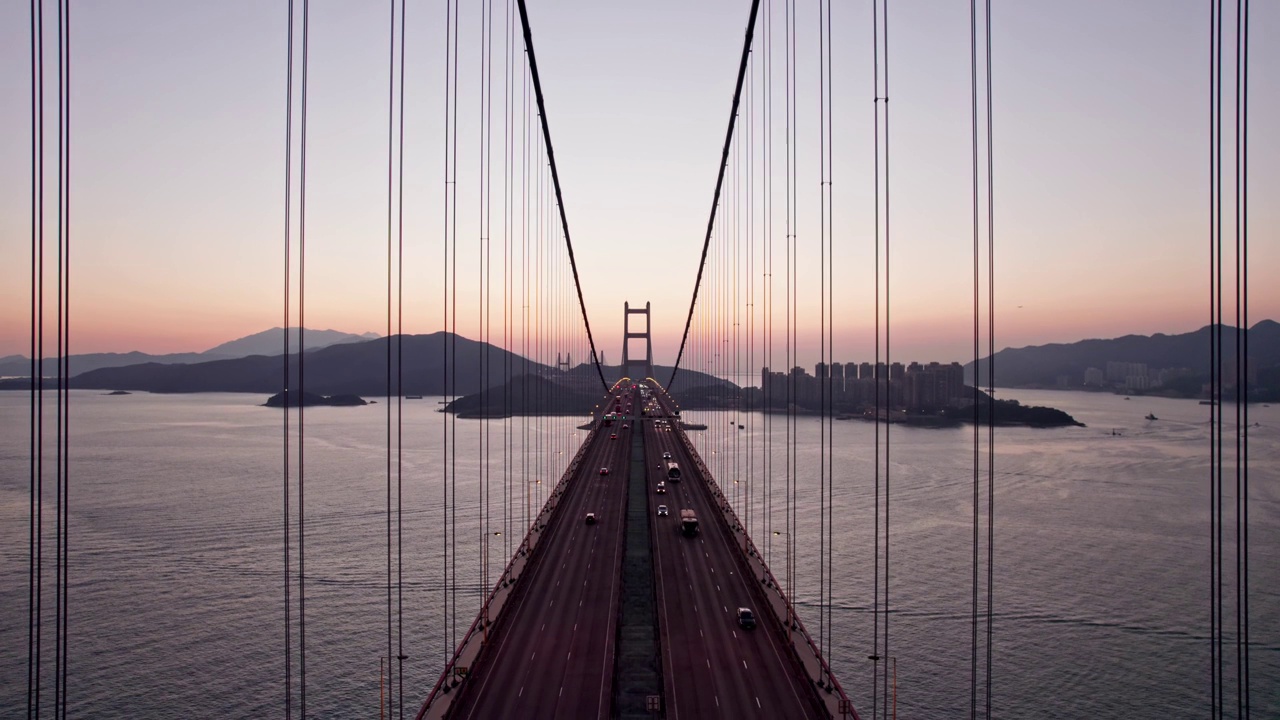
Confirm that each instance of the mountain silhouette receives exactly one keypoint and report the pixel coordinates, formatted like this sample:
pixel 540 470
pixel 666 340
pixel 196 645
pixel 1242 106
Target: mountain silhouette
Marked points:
pixel 267 342
pixel 1041 365
pixel 271 342
pixel 356 368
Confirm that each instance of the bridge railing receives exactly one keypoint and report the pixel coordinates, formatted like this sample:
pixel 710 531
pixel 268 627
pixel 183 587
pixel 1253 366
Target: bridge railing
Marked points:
pixel 468 651
pixel 815 665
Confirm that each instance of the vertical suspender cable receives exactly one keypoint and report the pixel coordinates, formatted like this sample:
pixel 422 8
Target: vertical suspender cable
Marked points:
pixel 284 381
pixel 1215 339
pixel 789 305
pixel 977 396
pixel 888 347
pixel 36 567
pixel 877 372
pixel 824 382
pixel 64 349
pixel 767 259
pixel 1241 360
pixel 391 79
pixel 508 322
pixel 991 366
pixel 400 654
pixel 302 377
pixel 482 436
pixel 829 559
pixel 450 22
pixel 1243 352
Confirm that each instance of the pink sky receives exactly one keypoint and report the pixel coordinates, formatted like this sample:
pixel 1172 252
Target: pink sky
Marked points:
pixel 1101 182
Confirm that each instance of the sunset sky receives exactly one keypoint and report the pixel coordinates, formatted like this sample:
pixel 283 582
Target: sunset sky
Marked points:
pixel 1101 165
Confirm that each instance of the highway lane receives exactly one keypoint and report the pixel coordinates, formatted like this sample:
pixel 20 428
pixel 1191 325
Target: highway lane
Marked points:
pixel 552 655
pixel 712 667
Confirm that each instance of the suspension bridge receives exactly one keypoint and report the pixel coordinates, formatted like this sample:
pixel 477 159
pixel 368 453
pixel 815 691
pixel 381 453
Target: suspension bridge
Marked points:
pixel 639 564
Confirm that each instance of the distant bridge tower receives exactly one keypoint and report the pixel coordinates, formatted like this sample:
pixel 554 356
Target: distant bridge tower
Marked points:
pixel 636 368
pixel 563 364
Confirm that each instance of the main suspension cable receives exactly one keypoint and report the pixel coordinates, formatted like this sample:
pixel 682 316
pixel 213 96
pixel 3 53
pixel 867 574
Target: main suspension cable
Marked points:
pixel 555 179
pixel 715 198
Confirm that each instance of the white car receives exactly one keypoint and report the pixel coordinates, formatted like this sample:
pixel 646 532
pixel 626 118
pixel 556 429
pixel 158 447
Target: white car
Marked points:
pixel 662 511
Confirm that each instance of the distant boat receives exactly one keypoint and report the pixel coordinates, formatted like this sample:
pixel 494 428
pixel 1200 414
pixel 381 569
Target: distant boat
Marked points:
pixel 412 397
pixel 1126 397
pixel 1208 402
pixel 1152 416
pixel 742 427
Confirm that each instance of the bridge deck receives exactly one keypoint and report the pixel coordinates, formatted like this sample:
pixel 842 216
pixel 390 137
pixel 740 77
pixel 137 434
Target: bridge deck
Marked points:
pixel 551 652
pixel 713 667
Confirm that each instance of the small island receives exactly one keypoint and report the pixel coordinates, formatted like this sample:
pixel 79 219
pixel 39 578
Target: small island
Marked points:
pixel 118 392
pixel 308 399
pixel 1012 412
pixel 529 395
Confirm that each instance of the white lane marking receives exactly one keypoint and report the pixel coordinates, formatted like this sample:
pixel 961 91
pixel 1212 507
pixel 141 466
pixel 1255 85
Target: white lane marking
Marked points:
pixel 758 702
pixel 735 633
pixel 708 662
pixel 700 633
pixel 717 587
pixel 744 664
pixel 717 697
pixel 521 693
pixel 544 628
pixel 534 655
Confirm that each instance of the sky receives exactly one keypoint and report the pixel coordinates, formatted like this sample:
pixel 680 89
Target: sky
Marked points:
pixel 1100 117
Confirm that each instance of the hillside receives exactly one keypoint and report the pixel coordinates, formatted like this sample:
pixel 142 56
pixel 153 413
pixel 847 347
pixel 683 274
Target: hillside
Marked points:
pixel 267 342
pixel 1043 365
pixel 345 369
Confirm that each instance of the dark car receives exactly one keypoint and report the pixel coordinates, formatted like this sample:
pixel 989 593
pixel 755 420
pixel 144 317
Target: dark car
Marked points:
pixel 604 471
pixel 591 518
pixel 746 618
pixel 613 436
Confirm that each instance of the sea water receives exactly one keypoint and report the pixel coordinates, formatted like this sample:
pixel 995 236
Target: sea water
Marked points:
pixel 177 583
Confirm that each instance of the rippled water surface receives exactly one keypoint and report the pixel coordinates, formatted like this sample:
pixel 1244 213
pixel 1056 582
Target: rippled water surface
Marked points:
pixel 177 598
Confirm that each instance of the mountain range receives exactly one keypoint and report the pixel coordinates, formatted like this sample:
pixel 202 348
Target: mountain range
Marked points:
pixel 349 368
pixel 267 342
pixel 1043 365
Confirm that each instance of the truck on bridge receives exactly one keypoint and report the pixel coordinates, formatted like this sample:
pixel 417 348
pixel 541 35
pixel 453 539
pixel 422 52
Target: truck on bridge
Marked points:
pixel 688 522
pixel 673 471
